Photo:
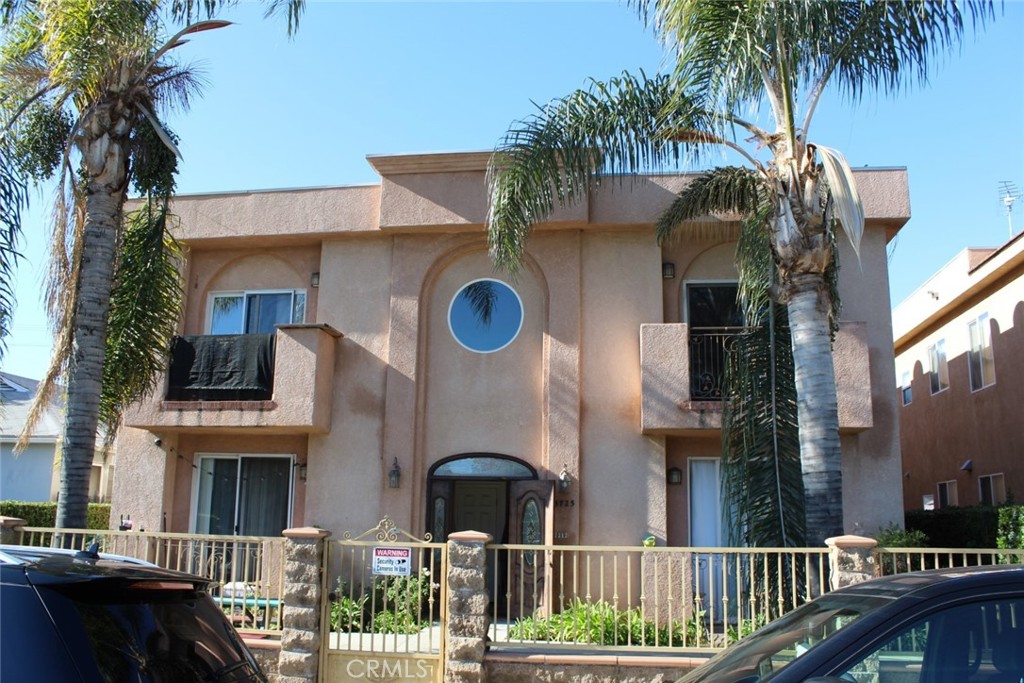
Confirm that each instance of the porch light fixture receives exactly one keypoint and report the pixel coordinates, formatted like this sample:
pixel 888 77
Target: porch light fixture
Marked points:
pixel 675 475
pixel 394 475
pixel 303 471
pixel 564 479
pixel 668 270
pixel 314 279
pixel 967 466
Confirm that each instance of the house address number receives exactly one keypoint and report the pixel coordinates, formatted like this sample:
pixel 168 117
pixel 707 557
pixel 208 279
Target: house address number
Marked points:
pixel 565 503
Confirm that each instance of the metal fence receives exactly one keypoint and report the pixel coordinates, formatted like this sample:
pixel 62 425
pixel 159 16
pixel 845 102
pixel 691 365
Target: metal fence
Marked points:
pixel 594 597
pixel 247 571
pixel 901 560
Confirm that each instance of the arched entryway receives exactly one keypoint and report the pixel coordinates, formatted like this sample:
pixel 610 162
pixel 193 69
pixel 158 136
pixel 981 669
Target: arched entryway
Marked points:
pixel 498 495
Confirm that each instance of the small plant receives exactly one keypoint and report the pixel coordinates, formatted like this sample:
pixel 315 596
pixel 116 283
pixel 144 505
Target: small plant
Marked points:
pixel 893 536
pixel 399 602
pixel 745 627
pixel 600 623
pixel 347 612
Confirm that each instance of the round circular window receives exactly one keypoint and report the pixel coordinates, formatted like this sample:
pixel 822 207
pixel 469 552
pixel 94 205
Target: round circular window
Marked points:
pixel 485 315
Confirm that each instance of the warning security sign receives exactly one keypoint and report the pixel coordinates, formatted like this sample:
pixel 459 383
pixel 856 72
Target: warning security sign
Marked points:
pixel 391 561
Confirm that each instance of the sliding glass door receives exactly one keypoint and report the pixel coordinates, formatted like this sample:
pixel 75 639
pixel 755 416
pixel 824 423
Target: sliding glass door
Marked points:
pixel 245 495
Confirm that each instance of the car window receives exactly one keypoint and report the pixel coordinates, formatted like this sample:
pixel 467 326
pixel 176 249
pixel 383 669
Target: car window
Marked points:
pixel 154 635
pixel 980 642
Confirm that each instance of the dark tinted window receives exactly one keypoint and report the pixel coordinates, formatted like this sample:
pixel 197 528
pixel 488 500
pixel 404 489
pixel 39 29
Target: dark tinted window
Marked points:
pixel 157 635
pixel 27 629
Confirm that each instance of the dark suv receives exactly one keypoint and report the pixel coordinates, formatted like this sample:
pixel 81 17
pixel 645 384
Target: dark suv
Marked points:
pixel 82 616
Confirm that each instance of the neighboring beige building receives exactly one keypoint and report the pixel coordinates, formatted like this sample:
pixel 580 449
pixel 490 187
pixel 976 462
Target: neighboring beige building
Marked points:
pixel 960 372
pixel 579 414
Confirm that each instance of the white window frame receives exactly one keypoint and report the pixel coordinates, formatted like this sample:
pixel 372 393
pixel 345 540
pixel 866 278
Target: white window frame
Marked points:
pixel 980 328
pixel 996 484
pixel 952 498
pixel 197 471
pixel 906 393
pixel 245 294
pixel 938 367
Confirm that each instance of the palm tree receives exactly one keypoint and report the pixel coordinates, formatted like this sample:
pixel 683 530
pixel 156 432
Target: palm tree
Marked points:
pixel 732 56
pixel 83 82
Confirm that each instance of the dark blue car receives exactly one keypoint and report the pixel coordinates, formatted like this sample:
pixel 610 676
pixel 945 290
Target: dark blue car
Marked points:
pixel 944 626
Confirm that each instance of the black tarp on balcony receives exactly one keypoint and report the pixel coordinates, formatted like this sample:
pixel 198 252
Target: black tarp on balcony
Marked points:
pixel 222 367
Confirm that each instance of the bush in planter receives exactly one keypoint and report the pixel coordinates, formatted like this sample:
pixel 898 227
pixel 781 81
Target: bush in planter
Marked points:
pixel 45 514
pixel 1011 530
pixel 600 623
pixel 956 527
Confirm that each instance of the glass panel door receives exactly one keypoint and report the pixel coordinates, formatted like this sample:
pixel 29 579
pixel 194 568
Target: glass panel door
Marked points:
pixel 249 496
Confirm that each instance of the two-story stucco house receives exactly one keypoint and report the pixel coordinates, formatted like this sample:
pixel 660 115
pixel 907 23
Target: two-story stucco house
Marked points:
pixel 960 369
pixel 335 365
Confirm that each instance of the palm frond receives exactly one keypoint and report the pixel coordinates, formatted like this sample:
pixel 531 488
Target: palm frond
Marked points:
pixel 730 190
pixel 843 190
pixel 13 198
pixel 482 299
pixel 761 475
pixel 616 127
pixel 145 305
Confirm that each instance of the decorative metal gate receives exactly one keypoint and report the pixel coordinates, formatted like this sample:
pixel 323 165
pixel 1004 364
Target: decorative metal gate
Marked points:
pixel 386 607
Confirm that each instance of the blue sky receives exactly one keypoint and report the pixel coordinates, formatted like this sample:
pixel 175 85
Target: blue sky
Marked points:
pixel 363 78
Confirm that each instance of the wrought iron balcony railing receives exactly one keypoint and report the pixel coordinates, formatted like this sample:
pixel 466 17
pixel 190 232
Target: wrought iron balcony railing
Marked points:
pixel 708 348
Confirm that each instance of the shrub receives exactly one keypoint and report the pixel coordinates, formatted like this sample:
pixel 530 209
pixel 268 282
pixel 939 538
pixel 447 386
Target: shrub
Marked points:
pixel 600 623
pixel 396 606
pixel 1011 530
pixel 347 612
pixel 45 514
pixel 954 527
pixel 893 536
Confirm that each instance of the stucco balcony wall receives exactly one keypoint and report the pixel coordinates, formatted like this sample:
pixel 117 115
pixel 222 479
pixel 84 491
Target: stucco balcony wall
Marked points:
pixel 666 407
pixel 301 403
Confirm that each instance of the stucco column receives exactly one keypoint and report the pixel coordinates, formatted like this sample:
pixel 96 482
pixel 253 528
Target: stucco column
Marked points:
pixel 468 618
pixel 301 634
pixel 851 560
pixel 10 530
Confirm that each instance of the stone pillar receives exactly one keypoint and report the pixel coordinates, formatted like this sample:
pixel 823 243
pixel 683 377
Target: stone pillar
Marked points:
pixel 301 629
pixel 10 530
pixel 851 559
pixel 468 618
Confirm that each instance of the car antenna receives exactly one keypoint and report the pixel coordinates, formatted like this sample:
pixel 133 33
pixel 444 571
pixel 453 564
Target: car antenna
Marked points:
pixel 90 553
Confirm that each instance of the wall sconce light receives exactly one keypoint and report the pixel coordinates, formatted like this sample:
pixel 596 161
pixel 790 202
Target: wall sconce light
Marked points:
pixel 394 475
pixel 675 475
pixel 314 279
pixel 303 471
pixel 967 466
pixel 668 270
pixel 564 479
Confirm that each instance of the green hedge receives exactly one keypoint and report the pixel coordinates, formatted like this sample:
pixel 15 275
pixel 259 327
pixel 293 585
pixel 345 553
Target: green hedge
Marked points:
pixel 954 527
pixel 45 514
pixel 1011 527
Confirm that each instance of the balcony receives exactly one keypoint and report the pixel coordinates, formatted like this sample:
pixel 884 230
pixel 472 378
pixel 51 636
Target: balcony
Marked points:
pixel 281 382
pixel 682 371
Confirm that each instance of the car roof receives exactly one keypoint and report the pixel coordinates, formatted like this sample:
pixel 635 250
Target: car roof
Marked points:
pixel 925 584
pixel 59 565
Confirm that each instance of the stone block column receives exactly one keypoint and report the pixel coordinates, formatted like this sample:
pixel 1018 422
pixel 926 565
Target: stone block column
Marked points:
pixel 10 530
pixel 468 618
pixel 302 631
pixel 851 559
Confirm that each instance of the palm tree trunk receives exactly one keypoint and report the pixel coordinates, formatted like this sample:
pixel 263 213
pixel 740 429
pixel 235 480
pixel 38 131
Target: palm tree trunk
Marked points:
pixel 820 454
pixel 106 155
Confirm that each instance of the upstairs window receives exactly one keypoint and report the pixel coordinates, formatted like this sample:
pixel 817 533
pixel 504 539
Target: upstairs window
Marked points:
pixel 905 392
pixel 938 367
pixel 947 494
pixel 991 489
pixel 255 312
pixel 980 360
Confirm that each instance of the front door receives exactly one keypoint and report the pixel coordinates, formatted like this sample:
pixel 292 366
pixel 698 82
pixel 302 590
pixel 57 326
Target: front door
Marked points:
pixel 481 506
pixel 531 523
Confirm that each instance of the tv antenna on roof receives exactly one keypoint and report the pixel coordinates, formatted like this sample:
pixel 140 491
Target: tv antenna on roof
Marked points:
pixel 1008 194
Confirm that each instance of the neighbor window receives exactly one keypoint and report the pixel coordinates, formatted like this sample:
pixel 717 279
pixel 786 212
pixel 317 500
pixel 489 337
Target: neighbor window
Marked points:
pixel 905 392
pixel 991 489
pixel 947 494
pixel 928 502
pixel 937 366
pixel 255 312
pixel 980 360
